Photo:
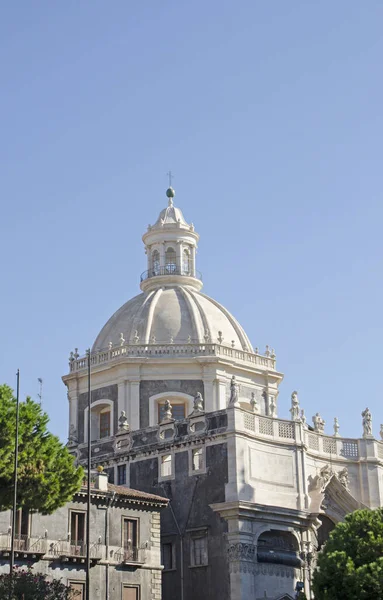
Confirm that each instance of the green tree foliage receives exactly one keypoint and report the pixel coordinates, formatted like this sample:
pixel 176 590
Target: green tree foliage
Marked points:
pixel 350 567
pixel 47 476
pixel 26 585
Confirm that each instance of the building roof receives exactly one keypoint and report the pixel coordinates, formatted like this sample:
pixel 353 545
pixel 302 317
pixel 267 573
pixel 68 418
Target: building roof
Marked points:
pixel 127 493
pixel 136 494
pixel 175 314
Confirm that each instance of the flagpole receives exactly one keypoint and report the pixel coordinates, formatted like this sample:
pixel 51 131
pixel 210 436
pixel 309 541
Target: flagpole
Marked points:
pixel 87 585
pixel 12 561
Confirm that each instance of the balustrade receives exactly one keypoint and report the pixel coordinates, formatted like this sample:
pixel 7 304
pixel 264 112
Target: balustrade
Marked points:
pixel 159 350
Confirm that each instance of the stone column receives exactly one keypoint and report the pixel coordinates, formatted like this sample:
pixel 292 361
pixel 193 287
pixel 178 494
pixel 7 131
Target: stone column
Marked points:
pixel 192 258
pixel 179 249
pixel 73 410
pixel 221 394
pixel 209 395
pixel 134 404
pixel 162 254
pixel 121 398
pixel 241 559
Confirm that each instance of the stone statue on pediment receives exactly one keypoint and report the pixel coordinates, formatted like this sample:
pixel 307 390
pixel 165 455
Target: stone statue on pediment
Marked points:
pixel 294 410
pixel 123 424
pixel 234 392
pixel 367 423
pixel 198 403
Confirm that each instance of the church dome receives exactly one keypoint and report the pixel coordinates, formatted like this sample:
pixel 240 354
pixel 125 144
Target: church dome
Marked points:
pixel 171 309
pixel 175 314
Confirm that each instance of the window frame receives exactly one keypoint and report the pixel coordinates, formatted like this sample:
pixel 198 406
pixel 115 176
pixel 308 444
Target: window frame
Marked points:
pixel 78 582
pixel 131 585
pixel 161 405
pixel 194 535
pixel 192 470
pixel 125 473
pixel 134 520
pixel 73 511
pixel 173 556
pixel 105 412
pixel 162 477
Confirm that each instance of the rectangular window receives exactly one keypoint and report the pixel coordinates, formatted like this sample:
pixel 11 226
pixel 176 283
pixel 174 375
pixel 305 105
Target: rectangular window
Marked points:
pixel 77 533
pixel 178 412
pixel 105 424
pixel 121 475
pixel 77 589
pixel 197 459
pixel 166 465
pixel 130 539
pixel 167 557
pixel 130 593
pixel 110 474
pixel 198 550
pixel 22 529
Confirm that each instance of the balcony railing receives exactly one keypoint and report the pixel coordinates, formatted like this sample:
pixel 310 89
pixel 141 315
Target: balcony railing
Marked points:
pixel 170 270
pixel 130 555
pixel 75 551
pixel 163 350
pixel 23 544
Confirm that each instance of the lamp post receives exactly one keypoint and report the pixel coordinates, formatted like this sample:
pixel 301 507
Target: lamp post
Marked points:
pixel 12 559
pixel 87 581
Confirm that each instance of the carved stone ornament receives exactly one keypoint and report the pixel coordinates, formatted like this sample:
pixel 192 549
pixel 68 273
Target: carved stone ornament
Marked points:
pixel 336 427
pixel 234 392
pixel 272 406
pixel 253 403
pixel 198 403
pixel 168 415
pixel 72 438
pixel 123 424
pixel 367 423
pixel 319 423
pixel 294 410
pixel 241 551
pixel 343 477
pixel 319 482
pixel 122 339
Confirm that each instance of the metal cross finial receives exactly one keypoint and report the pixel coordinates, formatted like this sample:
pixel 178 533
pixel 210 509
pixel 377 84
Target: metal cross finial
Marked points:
pixel 171 176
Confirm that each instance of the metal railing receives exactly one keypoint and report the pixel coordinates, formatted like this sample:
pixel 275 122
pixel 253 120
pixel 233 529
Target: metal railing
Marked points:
pixel 23 543
pixel 171 269
pixel 130 555
pixel 75 549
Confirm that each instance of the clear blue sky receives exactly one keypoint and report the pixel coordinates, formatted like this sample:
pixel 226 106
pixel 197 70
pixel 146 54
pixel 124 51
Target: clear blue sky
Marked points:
pixel 269 114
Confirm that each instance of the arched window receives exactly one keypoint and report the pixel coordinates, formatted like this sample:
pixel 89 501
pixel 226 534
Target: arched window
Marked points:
pixel 178 411
pixel 101 420
pixel 156 262
pixel 170 260
pixel 185 262
pixel 104 422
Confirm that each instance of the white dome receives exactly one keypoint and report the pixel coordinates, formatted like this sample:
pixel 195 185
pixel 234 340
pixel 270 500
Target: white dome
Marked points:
pixel 178 314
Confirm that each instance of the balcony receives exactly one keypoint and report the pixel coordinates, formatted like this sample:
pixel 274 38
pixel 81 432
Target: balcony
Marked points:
pixel 171 269
pixel 75 552
pixel 130 556
pixel 24 546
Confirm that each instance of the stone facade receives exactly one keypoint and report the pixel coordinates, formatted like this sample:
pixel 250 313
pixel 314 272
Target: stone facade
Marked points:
pixel 252 497
pixel 49 546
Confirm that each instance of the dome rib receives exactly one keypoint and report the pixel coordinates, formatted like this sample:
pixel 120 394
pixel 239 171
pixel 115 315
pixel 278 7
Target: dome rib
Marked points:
pixel 245 342
pixel 198 316
pixel 173 314
pixel 149 323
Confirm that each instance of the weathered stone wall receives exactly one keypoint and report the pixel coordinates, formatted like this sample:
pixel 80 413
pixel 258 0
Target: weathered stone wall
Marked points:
pixel 108 392
pixel 152 387
pixel 190 497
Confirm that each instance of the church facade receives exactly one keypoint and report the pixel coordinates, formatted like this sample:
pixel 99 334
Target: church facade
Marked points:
pixel 184 407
